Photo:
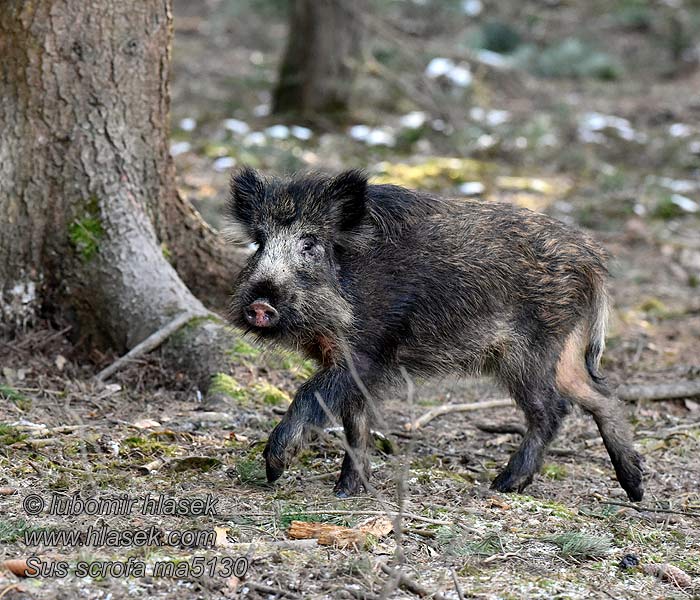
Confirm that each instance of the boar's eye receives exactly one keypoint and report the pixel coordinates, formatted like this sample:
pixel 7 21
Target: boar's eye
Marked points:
pixel 306 244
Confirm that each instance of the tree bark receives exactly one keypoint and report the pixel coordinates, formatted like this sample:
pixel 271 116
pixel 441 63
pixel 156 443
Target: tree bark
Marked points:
pixel 89 217
pixel 321 58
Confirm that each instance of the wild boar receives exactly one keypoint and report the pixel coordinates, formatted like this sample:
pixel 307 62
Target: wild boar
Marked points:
pixel 373 281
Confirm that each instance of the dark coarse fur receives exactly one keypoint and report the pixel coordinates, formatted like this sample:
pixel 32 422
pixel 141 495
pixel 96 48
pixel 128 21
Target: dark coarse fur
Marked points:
pixel 370 280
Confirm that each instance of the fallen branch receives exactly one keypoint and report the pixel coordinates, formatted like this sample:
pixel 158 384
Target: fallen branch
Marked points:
pixel 670 511
pixel 266 589
pixel 659 391
pixel 150 343
pixel 450 408
pixel 389 514
pixel 411 585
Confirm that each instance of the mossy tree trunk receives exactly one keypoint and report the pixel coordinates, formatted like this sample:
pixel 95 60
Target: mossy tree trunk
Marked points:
pixel 91 227
pixel 323 51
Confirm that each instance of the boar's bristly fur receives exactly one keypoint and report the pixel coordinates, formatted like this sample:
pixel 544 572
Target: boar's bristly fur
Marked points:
pixel 373 281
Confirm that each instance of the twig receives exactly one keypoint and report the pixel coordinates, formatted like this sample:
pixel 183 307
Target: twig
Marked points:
pixel 9 588
pixel 361 594
pixel 150 343
pixel 450 408
pixel 659 391
pixel 410 585
pixel 382 513
pixel 670 511
pixel 266 589
pixel 460 593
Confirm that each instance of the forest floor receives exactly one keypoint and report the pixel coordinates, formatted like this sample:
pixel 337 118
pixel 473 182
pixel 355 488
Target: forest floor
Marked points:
pixel 617 157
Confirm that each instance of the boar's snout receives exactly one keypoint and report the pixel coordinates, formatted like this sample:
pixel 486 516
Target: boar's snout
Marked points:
pixel 261 313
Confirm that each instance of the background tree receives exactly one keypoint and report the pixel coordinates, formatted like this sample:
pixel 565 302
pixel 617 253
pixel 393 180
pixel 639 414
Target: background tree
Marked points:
pixel 93 230
pixel 321 59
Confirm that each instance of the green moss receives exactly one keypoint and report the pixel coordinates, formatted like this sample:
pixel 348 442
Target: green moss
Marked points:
pixel 556 472
pixel 221 383
pixel 271 395
pixel 10 435
pixel 654 308
pixel 85 232
pixel 147 446
pixel 243 350
pixel 167 255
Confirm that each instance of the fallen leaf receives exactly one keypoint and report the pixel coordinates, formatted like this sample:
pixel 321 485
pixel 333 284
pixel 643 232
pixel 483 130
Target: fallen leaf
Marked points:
pixel 231 589
pixel 221 537
pixel 376 526
pixel 60 362
pixel 19 567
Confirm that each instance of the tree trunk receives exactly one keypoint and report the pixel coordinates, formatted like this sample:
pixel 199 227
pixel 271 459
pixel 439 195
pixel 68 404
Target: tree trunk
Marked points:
pixel 319 65
pixel 89 217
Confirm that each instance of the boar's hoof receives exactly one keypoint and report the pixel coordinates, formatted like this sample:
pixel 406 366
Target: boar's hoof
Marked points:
pixel 631 475
pixel 348 485
pixel 509 482
pixel 274 467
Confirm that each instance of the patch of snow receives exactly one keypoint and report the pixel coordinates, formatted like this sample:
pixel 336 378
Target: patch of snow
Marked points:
pixel 255 138
pixel 472 8
pixel 224 163
pixel 188 124
pixel 237 126
pixel 685 203
pixel 301 133
pixel 472 188
pixel 679 130
pixel 179 148
pixel 414 120
pixel 278 132
pixel 439 66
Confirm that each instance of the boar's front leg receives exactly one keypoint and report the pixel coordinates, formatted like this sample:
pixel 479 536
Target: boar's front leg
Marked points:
pixel 339 397
pixel 355 470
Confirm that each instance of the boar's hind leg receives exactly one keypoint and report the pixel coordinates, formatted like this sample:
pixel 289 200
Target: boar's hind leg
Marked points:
pixel 355 470
pixel 544 410
pixel 574 380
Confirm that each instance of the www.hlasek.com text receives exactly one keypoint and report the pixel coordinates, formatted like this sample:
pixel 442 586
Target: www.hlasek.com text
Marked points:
pixel 107 536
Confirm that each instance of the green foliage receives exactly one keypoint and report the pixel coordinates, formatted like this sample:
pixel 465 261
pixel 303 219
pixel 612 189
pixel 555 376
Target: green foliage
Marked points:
pixel 455 541
pixel 85 232
pixel 498 37
pixel 667 209
pixel 250 471
pixel 7 392
pixel 572 58
pixel 581 545
pixel 12 530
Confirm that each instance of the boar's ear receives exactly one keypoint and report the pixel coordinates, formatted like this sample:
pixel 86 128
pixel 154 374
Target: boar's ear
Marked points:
pixel 347 193
pixel 247 189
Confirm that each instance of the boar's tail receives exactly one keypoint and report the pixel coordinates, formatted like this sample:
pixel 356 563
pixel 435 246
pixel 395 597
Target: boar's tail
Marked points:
pixel 596 333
